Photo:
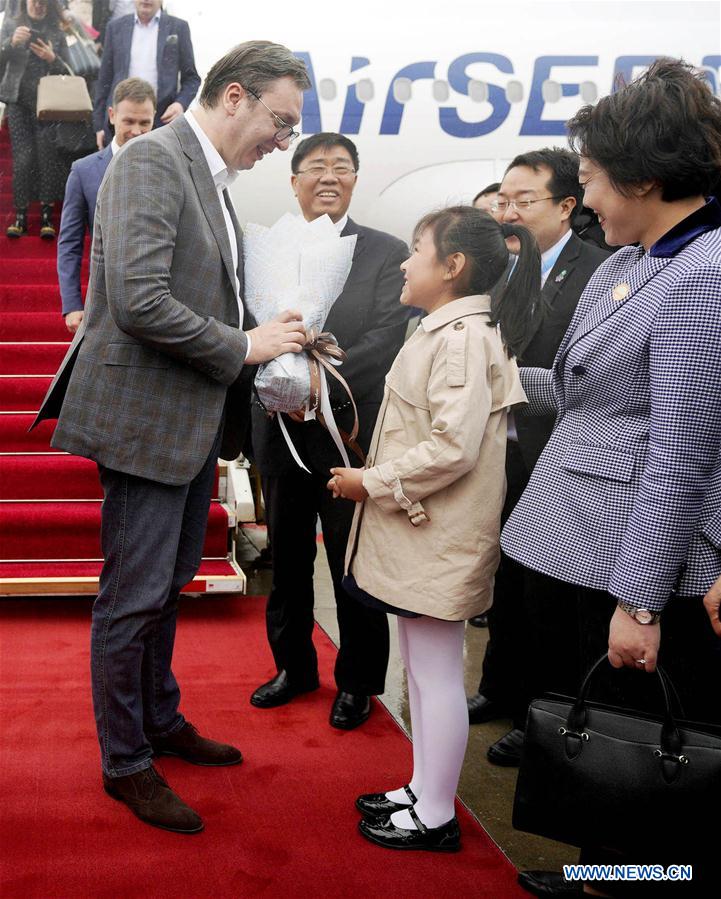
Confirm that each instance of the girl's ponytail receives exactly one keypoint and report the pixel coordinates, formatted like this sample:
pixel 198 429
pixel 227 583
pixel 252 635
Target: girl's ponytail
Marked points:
pixel 516 308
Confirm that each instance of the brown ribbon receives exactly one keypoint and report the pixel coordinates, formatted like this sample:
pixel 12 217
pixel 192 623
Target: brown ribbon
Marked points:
pixel 319 349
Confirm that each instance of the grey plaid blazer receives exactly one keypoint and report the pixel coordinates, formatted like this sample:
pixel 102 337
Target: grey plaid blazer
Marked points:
pixel 159 356
pixel 626 496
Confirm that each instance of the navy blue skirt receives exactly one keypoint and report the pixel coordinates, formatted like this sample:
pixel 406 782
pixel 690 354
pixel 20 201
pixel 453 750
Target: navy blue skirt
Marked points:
pixel 352 589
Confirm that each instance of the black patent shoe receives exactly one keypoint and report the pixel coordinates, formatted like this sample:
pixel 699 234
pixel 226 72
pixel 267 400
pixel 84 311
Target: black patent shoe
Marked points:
pixel 19 226
pixel 383 832
pixel 378 805
pixel 47 230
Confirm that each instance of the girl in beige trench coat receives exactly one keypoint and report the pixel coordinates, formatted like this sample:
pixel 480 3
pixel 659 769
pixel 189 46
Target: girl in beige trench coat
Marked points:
pixel 424 541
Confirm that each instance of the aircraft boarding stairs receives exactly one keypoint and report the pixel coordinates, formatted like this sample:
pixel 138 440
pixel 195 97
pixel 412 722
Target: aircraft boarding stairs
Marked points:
pixel 49 500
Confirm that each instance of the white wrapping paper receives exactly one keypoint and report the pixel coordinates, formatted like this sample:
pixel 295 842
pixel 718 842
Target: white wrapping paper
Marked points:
pixel 293 265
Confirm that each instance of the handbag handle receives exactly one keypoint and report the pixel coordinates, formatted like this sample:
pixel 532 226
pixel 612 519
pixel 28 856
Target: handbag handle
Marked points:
pixel 671 746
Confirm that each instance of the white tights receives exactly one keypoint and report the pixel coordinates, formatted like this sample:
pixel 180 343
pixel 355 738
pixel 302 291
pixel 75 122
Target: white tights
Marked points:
pixel 432 651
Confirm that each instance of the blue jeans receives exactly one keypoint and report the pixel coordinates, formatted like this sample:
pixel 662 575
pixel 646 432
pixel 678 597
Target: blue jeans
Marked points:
pixel 152 538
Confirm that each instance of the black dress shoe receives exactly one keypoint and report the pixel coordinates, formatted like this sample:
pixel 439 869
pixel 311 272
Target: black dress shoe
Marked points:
pixel 349 710
pixel 188 745
pixel 378 805
pixel 150 798
pixel 549 883
pixel 383 832
pixel 280 691
pixel 507 751
pixel 481 709
pixel 479 620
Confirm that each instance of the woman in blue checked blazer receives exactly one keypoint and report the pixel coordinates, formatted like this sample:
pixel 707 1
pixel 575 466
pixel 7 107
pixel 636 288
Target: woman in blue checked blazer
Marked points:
pixel 621 501
pixel 621 519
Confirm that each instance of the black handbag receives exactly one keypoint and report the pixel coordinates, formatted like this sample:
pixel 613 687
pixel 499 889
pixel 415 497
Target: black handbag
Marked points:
pixel 600 776
pixel 83 57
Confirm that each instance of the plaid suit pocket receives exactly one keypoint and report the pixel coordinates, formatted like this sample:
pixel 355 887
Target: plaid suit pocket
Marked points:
pixel 135 355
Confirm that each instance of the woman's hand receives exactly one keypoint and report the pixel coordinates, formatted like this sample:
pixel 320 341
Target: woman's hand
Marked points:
pixel 631 643
pixel 43 50
pixel 712 603
pixel 348 483
pixel 21 36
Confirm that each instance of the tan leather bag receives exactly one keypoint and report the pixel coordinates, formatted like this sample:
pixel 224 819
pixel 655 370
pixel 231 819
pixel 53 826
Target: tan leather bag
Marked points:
pixel 63 98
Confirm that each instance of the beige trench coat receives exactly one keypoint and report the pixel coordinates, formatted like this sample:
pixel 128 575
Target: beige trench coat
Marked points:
pixel 427 537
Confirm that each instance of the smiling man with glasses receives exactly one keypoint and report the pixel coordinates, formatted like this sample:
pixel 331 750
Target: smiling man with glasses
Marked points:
pixel 369 324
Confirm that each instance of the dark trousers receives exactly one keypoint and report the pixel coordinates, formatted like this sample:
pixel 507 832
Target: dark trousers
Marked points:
pixel 152 538
pixel 294 502
pixel 35 165
pixel 503 677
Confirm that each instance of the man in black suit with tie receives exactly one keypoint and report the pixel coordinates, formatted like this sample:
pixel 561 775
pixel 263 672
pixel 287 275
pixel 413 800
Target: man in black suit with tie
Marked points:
pixel 540 190
pixel 369 323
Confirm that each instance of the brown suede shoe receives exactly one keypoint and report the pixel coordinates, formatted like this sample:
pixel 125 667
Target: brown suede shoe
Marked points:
pixel 150 798
pixel 188 745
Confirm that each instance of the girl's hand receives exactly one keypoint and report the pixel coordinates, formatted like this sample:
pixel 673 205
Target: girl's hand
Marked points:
pixel 43 50
pixel 348 483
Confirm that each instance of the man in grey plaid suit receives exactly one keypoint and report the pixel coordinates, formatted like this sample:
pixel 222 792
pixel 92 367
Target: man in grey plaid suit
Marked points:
pixel 155 386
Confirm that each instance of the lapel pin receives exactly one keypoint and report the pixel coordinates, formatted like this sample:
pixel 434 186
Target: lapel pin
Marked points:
pixel 560 276
pixel 621 291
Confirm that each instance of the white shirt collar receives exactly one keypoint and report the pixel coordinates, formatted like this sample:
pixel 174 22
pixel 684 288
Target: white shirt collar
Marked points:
pixel 114 147
pixel 153 21
pixel 222 175
pixel 341 223
pixel 548 259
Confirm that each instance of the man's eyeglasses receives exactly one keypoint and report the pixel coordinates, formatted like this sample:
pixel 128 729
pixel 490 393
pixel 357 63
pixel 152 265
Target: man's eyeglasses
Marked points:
pixel 519 205
pixel 285 131
pixel 318 171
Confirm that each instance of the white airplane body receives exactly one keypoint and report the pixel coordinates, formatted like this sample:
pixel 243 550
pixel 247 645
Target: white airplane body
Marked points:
pixel 486 81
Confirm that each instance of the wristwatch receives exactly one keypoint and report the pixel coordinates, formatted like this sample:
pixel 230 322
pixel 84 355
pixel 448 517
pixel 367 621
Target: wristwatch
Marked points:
pixel 640 616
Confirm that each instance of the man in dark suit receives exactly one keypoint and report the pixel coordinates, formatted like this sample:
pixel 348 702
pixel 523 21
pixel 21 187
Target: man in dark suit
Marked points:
pixel 155 386
pixel 540 190
pixel 131 114
pixel 151 45
pixel 369 323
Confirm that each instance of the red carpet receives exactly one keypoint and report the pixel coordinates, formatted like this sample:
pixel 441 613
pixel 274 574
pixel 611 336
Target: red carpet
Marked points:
pixel 280 825
pixel 71 530
pixel 33 342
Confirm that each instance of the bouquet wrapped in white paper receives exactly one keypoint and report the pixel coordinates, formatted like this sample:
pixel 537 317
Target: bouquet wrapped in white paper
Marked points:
pixel 293 265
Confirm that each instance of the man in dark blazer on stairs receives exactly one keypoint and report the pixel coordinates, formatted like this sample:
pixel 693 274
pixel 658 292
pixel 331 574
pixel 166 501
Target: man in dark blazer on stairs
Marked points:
pixel 132 114
pixel 155 387
pixel 541 191
pixel 152 45
pixel 370 324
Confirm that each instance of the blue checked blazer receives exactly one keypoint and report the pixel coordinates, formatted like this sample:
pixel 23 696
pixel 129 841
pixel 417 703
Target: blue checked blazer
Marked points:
pixel 626 496
pixel 178 79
